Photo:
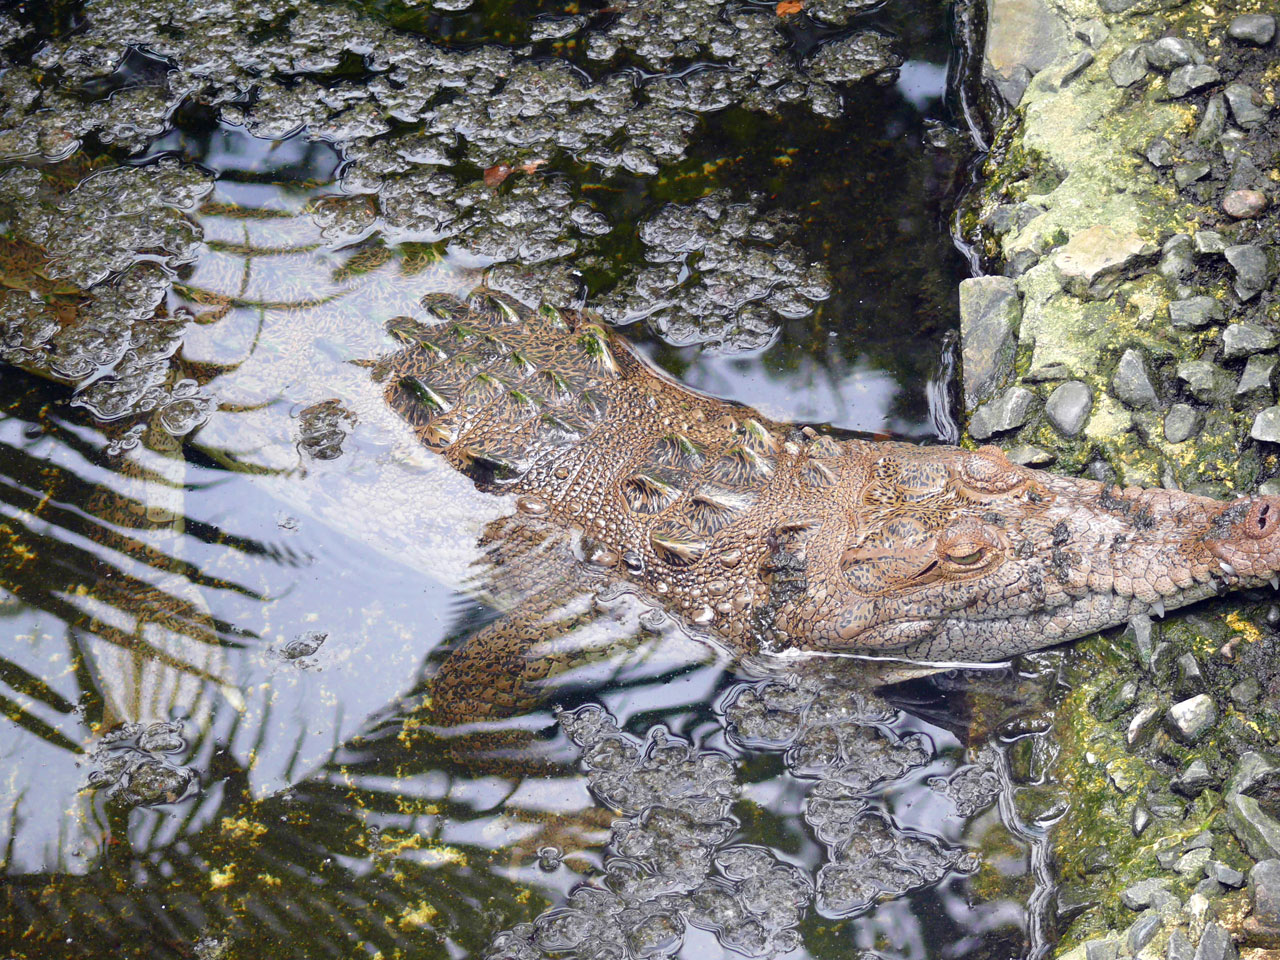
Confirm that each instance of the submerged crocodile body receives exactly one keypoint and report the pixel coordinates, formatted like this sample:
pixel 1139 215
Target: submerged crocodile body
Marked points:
pixel 775 537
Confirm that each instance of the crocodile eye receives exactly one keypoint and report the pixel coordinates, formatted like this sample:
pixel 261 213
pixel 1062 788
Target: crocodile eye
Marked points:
pixel 968 559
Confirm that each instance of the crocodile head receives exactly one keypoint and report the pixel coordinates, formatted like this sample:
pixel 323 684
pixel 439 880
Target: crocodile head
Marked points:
pixel 946 555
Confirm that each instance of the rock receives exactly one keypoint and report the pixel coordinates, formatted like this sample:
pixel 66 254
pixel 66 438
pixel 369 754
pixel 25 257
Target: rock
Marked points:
pixel 1213 122
pixel 1138 896
pixel 1026 455
pixel 1245 174
pixel 1138 630
pixel 1246 692
pixel 1139 820
pixel 1128 67
pixel 1169 52
pixel 1106 948
pixel 1253 770
pixel 1079 63
pixel 1193 781
pixel 1215 944
pixel 990 312
pixel 1191 78
pixel 1007 412
pixel 1255 381
pixel 1159 152
pixel 1250 264
pixel 1257 831
pixel 1189 173
pixel 1195 312
pixel 1131 383
pixel 1263 927
pixel 1179 947
pixel 1192 863
pixel 1243 339
pixel 1266 425
pixel 1210 889
pixel 1208 242
pixel 1069 406
pixel 1256 28
pixel 1023 37
pixel 1189 680
pixel 1225 875
pixel 1182 422
pixel 1207 381
pixel 1201 841
pixel 1094 261
pixel 1189 720
pixel 1244 204
pixel 1093 32
pixel 1178 257
pixel 1247 106
pixel 1143 930
pixel 1142 725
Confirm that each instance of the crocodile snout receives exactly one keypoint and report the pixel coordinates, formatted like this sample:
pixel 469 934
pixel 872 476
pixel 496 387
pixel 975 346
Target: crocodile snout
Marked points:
pixel 1245 537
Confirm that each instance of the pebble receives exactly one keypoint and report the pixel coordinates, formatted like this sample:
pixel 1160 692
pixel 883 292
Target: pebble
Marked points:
pixel 1243 339
pixel 1250 264
pixel 1192 863
pixel 1225 875
pixel 1128 67
pixel 990 312
pixel 1142 725
pixel 1189 173
pixel 1140 820
pixel 1194 312
pixel 1207 381
pixel 1093 32
pixel 1215 944
pixel 1181 423
pixel 1263 927
pixel 1266 425
pixel 1191 78
pixel 1131 383
pixel 1169 52
pixel 1160 152
pixel 1107 948
pixel 1257 831
pixel 1247 106
pixel 1069 406
pixel 1213 122
pixel 1026 455
pixel 1193 781
pixel 1246 692
pixel 1209 241
pixel 1179 947
pixel 1255 381
pixel 1189 720
pixel 1143 930
pixel 1177 257
pixel 1007 412
pixel 1257 28
pixel 1210 889
pixel 1244 204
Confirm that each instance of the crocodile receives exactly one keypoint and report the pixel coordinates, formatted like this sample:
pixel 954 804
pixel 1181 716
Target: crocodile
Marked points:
pixel 779 538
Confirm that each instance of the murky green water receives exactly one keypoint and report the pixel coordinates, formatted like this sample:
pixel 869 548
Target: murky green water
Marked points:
pixel 228 582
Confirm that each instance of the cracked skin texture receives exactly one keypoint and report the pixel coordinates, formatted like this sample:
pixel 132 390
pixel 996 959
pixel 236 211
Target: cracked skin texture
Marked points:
pixel 777 538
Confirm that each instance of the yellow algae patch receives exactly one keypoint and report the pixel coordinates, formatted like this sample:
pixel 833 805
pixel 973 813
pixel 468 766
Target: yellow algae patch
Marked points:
pixel 222 878
pixel 1243 627
pixel 242 829
pixel 439 856
pixel 269 880
pixel 419 916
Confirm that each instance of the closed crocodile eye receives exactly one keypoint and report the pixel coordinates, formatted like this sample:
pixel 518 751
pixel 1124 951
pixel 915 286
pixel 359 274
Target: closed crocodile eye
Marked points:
pixel 967 559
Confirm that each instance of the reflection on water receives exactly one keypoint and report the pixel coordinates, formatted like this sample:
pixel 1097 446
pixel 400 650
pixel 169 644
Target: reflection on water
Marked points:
pixel 231 575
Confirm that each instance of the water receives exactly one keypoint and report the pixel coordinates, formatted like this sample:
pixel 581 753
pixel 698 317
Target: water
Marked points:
pixel 228 579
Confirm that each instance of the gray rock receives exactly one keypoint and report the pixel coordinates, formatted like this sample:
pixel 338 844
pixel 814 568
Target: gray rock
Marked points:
pixel 1225 875
pixel 1201 841
pixel 1243 339
pixel 990 313
pixel 1179 947
pixel 1128 67
pixel 1207 381
pixel 1178 257
pixel 1191 78
pixel 1079 63
pixel 1215 944
pixel 1142 725
pixel 1167 858
pixel 1143 930
pixel 1192 863
pixel 1193 781
pixel 1266 425
pixel 1189 720
pixel 1247 106
pixel 1069 406
pixel 1257 831
pixel 1245 174
pixel 1159 152
pixel 1195 312
pixel 1007 412
pixel 1093 32
pixel 1093 262
pixel 1182 422
pixel 1255 381
pixel 1115 6
pixel 1138 896
pixel 1246 692
pixel 1213 122
pixel 1169 52
pixel 1252 770
pixel 1138 630
pixel 1270 488
pixel 1257 28
pixel 1210 889
pixel 1264 890
pixel 1209 242
pixel 1105 948
pixel 1250 264
pixel 1131 383
pixel 1189 680
pixel 1026 455
pixel 1023 37
pixel 1139 820
pixel 1189 173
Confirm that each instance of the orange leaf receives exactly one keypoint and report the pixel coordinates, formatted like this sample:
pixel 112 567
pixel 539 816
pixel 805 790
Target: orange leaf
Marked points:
pixel 787 8
pixel 496 174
